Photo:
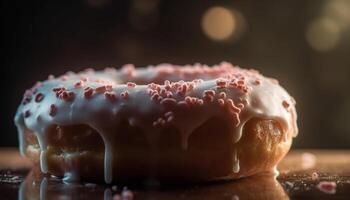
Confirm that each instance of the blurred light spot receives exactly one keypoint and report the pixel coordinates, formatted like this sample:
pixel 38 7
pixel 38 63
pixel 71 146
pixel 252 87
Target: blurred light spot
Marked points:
pixel 323 34
pixel 143 14
pixel 220 23
pixel 339 11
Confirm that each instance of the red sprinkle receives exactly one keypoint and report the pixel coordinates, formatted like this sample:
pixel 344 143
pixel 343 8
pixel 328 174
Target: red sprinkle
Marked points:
pixel 112 96
pixel 58 89
pixel 168 102
pixel 88 92
pixel 67 95
pixel 79 84
pixel 209 92
pixel 50 77
pixel 104 88
pixel 285 104
pixel 39 97
pixel 233 107
pixel 168 114
pixel 327 187
pixel 26 114
pixel 222 95
pixel 53 110
pixel 124 95
pixel 130 84
pixel 314 176
pixel 221 83
pixel 83 78
pixel 127 195
pixel 221 102
pixel 208 98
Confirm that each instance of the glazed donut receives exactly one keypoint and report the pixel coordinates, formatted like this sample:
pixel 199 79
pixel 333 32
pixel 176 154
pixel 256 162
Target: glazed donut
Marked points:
pixel 165 122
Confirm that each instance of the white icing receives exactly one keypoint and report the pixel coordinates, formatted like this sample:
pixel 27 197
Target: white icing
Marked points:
pixel 263 100
pixel 236 166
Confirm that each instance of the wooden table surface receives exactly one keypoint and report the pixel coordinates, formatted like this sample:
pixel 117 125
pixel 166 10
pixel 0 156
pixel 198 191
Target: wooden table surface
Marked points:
pixel 294 182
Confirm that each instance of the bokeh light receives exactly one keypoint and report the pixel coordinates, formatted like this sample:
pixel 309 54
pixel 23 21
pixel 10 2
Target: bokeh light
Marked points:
pixel 323 34
pixel 339 11
pixel 221 24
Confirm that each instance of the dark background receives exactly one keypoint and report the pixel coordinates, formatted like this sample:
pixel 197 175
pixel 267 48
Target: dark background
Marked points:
pixel 305 44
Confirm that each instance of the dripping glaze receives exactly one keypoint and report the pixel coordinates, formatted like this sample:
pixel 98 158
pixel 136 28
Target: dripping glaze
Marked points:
pixel 234 94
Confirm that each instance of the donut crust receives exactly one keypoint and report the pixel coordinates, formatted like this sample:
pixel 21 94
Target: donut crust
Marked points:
pixel 209 157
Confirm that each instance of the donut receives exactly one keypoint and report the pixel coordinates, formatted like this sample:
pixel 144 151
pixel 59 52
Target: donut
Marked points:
pixel 167 123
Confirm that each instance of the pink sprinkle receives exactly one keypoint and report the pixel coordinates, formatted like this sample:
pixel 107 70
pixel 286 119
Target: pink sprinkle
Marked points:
pixel 170 119
pixel 188 99
pixel 39 97
pixel 236 117
pixel 53 110
pixel 130 84
pixel 155 123
pixel 221 102
pixel 233 106
pixel 314 176
pixel 168 102
pixel 127 195
pixel 240 105
pixel 26 114
pixel 163 92
pixel 156 97
pixel 104 88
pixel 169 94
pixel 208 98
pixel 67 95
pixel 200 102
pixel 50 77
pixel 124 95
pixel 27 97
pixel 257 82
pixel 168 114
pixel 285 104
pixel 327 187
pixel 79 84
pixel 64 77
pixel 222 95
pixel 128 69
pixel 209 92
pixel 221 83
pixel 112 96
pixel 182 104
pixel 88 92
pixel 240 82
pixel 58 89
pixel 83 78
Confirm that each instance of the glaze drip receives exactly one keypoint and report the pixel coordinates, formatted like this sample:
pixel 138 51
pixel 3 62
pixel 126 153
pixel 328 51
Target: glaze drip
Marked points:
pixel 152 98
